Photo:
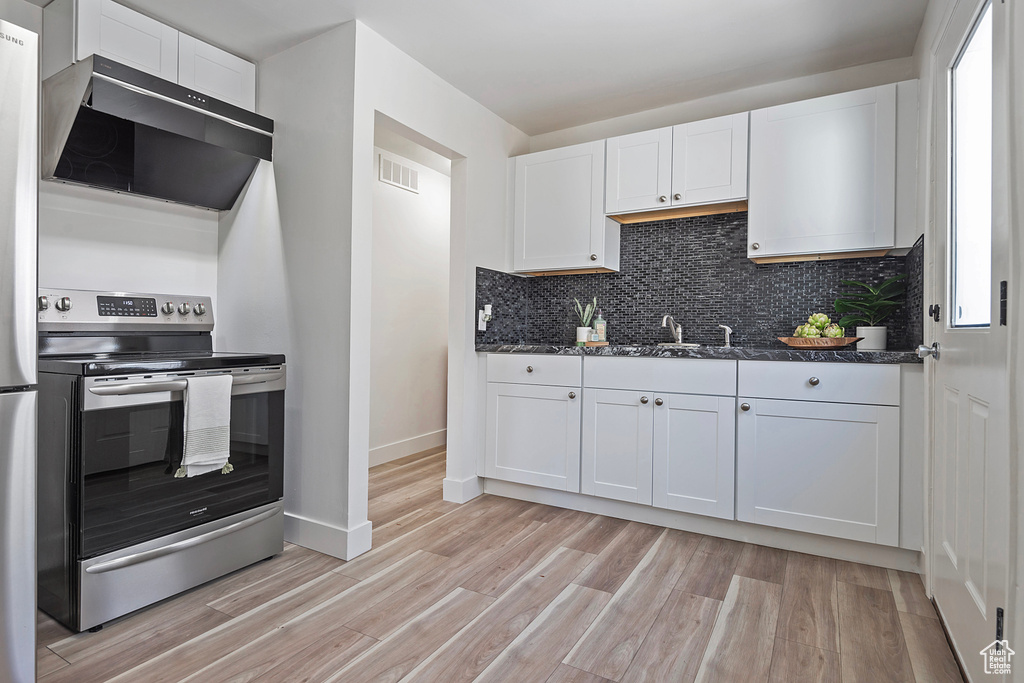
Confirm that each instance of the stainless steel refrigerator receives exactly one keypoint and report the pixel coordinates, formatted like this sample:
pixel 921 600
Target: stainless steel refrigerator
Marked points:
pixel 19 174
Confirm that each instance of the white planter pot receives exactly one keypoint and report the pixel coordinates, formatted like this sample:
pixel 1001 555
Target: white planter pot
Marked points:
pixel 582 334
pixel 874 338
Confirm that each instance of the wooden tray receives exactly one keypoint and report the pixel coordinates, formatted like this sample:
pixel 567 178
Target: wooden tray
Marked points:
pixel 818 342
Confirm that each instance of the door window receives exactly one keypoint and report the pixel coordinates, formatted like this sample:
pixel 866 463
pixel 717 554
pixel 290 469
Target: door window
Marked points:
pixel 971 220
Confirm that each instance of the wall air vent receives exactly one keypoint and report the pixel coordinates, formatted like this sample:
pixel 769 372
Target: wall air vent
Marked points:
pixel 399 175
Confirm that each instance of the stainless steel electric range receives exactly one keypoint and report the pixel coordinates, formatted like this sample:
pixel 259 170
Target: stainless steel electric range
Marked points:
pixel 116 529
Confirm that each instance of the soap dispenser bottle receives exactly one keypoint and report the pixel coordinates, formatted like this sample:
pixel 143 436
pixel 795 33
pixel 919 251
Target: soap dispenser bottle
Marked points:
pixel 601 327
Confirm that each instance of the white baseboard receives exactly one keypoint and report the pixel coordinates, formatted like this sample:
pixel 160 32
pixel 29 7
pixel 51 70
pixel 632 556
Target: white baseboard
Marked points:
pixel 811 544
pixel 400 449
pixel 462 491
pixel 345 544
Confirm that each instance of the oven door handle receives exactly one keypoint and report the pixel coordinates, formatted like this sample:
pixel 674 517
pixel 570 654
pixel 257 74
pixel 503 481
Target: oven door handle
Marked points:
pixel 175 385
pixel 138 558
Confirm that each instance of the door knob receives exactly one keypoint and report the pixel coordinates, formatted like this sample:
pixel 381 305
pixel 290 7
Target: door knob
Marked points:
pixel 644 399
pixel 925 351
pixel 744 407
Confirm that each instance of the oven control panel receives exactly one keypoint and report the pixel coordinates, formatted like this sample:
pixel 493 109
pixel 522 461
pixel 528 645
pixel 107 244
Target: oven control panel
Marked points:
pixel 76 310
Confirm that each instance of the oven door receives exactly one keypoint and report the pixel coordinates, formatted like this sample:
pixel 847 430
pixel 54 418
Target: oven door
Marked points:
pixel 131 446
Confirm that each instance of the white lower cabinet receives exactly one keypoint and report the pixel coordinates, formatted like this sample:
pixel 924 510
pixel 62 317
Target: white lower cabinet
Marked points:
pixel 823 468
pixel 694 454
pixel 618 438
pixel 533 435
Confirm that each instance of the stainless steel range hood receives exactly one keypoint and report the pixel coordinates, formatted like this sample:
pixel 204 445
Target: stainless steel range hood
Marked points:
pixel 110 126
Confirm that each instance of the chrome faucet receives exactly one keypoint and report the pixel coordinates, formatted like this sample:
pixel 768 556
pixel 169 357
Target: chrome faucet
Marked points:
pixel 728 335
pixel 677 330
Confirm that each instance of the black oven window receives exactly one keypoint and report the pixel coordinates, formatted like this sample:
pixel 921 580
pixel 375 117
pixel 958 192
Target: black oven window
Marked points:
pixel 129 456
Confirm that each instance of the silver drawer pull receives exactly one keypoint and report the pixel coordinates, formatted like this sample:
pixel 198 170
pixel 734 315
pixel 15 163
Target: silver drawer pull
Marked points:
pixel 174 385
pixel 814 381
pixel 744 407
pixel 658 402
pixel 643 399
pixel 529 368
pixel 572 394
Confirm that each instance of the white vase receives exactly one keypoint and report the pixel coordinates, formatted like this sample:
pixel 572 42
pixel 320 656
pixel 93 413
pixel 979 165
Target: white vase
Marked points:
pixel 582 334
pixel 874 338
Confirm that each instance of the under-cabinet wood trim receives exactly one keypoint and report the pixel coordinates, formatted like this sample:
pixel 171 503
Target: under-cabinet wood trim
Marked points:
pixel 679 212
pixel 581 271
pixel 832 256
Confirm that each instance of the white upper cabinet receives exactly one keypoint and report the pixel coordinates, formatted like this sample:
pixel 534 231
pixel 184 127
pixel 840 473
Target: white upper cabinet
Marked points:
pixel 823 175
pixel 217 73
pixel 704 162
pixel 75 29
pixel 638 171
pixel 559 221
pixel 709 161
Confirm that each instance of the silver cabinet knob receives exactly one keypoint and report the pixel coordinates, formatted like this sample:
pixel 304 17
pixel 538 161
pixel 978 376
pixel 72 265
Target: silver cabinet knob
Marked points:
pixel 44 303
pixel 814 381
pixel 167 308
pixel 662 198
pixel 185 308
pixel 744 407
pixel 593 257
pixel 658 402
pixel 64 304
pixel 572 394
pixel 755 246
pixel 644 399
pixel 199 309
pixel 677 196
pixel 529 368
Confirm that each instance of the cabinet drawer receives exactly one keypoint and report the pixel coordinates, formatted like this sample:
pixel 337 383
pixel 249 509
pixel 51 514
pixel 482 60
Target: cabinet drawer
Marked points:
pixel 669 375
pixel 518 368
pixel 832 382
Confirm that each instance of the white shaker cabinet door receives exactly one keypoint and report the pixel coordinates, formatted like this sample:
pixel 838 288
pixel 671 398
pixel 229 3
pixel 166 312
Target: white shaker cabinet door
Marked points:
pixel 823 175
pixel 709 161
pixel 617 444
pixel 533 435
pixel 559 220
pixel 694 454
pixel 124 35
pixel 214 72
pixel 638 171
pixel 823 468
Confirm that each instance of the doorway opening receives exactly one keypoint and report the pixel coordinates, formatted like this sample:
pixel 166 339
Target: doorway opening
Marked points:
pixel 408 326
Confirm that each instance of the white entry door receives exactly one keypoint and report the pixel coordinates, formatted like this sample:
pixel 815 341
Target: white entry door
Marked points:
pixel 970 516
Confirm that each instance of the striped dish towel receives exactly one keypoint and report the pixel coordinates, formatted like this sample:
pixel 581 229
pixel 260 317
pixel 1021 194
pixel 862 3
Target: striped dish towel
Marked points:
pixel 207 426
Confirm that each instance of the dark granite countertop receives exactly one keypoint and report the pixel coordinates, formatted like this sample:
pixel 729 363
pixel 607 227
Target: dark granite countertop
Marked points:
pixel 734 353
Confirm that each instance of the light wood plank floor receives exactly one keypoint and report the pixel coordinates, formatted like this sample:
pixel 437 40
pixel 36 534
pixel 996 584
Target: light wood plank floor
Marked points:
pixel 503 590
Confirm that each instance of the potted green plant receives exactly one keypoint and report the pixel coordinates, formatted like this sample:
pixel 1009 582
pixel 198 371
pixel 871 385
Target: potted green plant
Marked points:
pixel 584 313
pixel 868 307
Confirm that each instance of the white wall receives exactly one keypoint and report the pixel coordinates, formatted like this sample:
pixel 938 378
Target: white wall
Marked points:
pixel 24 14
pixel 409 318
pixel 285 280
pixel 92 239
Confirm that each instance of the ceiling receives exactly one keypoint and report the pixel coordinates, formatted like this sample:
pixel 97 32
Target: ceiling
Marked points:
pixel 544 65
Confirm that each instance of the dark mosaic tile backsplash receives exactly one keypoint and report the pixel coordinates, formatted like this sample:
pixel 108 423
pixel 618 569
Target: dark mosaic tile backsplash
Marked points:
pixel 697 270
